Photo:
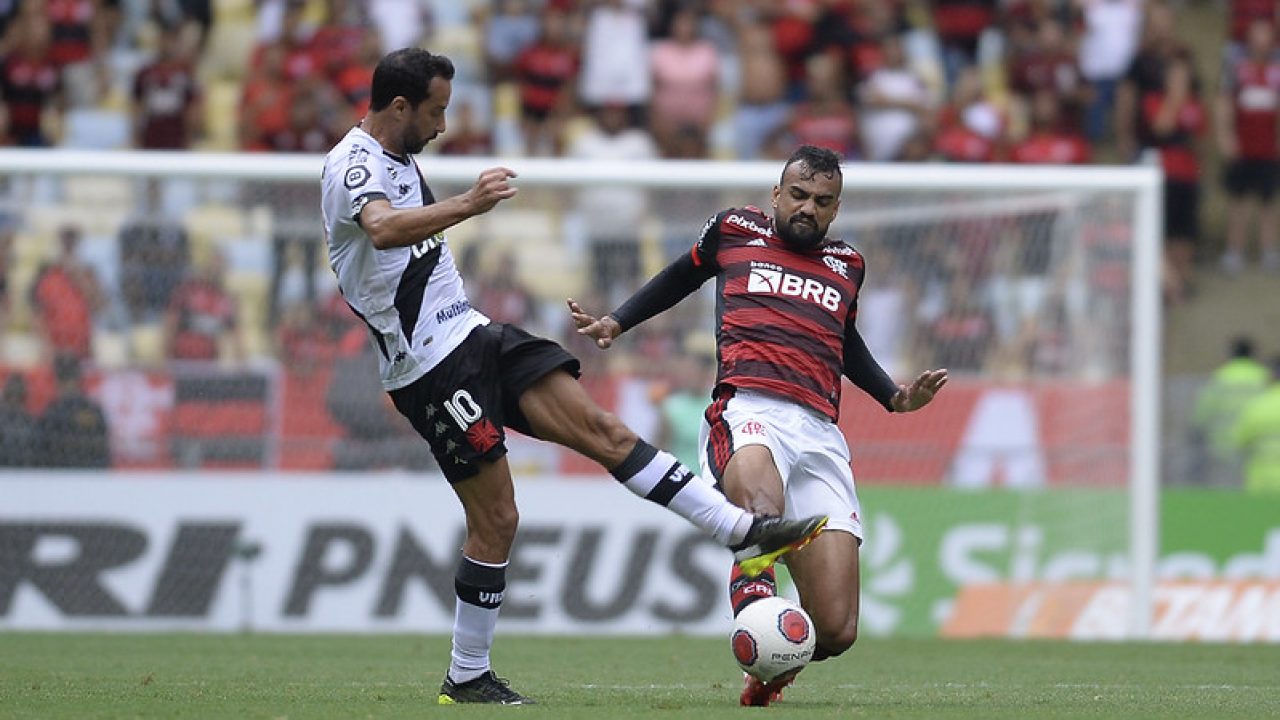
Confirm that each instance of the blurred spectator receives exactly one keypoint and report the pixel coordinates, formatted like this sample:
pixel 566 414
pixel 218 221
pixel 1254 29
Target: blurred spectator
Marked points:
pixel 615 56
pixel 342 35
pixel 545 73
pixel 762 104
pixel 503 297
pixel 30 85
pixel 310 128
pixel 1108 42
pixel 466 135
pixel 374 434
pixel 681 399
pixel 1051 140
pixel 154 256
pixel 167 112
pixel 1172 120
pixel 18 435
pixel 959 24
pixel 961 337
pixel 78 31
pixel 8 11
pixel 686 71
pixel 305 344
pixel 1218 407
pixel 1049 64
pixel 1242 14
pixel 791 25
pixel 1146 75
pixel 7 232
pixel 79 42
pixel 971 126
pixel 72 432
pixel 1257 434
pixel 202 315
pixel 895 105
pixel 510 28
pixel 401 23
pixel 613 215
pixel 872 22
pixel 354 79
pixel 1248 115
pixel 190 18
pixel 268 96
pixel 301 59
pixel 65 296
pixel 827 119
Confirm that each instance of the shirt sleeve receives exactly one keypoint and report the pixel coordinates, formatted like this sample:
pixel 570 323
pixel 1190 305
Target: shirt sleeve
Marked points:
pixel 863 370
pixel 708 245
pixel 676 281
pixel 662 292
pixel 360 179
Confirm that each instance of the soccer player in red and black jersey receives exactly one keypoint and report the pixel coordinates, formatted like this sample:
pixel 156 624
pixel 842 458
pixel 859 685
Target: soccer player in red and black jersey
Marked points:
pixel 788 298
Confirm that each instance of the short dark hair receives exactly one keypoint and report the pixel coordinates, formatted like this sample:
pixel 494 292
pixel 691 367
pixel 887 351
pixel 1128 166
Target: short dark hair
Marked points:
pixel 818 160
pixel 1242 346
pixel 407 73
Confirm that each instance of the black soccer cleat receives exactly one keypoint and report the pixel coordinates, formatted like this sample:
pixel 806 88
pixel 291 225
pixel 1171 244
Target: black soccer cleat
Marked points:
pixel 772 537
pixel 487 688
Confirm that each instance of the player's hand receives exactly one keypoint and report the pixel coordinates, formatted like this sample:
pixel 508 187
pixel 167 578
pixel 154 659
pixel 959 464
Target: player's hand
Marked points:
pixel 910 398
pixel 490 188
pixel 602 330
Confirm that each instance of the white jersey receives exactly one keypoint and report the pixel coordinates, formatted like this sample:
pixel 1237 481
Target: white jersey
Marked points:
pixel 410 297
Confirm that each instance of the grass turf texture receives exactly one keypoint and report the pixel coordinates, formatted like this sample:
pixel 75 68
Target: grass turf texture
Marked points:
pixel 219 676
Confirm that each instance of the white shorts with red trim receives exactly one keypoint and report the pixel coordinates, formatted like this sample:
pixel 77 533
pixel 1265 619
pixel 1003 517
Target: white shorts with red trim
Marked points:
pixel 808 449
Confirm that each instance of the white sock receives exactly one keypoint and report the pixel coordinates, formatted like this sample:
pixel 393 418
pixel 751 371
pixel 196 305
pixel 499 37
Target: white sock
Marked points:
pixel 658 477
pixel 479 587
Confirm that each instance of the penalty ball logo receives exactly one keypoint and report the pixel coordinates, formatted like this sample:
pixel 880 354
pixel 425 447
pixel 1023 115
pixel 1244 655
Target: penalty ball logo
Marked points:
pixel 792 626
pixel 744 648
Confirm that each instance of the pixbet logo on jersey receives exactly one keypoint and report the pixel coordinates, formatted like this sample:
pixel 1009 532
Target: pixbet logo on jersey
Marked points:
pixel 772 280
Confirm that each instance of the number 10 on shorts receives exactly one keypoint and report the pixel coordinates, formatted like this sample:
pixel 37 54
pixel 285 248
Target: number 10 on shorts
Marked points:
pixel 463 409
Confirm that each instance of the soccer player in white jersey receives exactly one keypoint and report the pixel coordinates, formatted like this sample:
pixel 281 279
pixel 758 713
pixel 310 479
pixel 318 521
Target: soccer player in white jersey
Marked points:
pixel 459 378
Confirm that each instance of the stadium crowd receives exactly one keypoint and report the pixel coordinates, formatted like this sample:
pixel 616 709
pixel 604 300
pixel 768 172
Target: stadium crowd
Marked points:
pixel 1022 81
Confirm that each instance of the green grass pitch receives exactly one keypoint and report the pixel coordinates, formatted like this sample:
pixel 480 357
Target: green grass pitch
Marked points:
pixel 295 677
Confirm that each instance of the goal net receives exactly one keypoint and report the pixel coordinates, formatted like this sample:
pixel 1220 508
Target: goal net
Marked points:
pixel 193 294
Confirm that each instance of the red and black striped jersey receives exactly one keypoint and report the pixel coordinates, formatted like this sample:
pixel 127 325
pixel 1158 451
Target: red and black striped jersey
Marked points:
pixel 782 316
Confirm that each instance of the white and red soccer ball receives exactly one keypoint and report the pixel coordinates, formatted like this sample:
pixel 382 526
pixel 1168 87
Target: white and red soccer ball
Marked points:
pixel 771 638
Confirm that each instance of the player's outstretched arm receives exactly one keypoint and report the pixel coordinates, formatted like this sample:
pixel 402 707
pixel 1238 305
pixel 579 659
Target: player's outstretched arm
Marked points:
pixel 661 293
pixel 602 330
pixel 919 393
pixel 390 227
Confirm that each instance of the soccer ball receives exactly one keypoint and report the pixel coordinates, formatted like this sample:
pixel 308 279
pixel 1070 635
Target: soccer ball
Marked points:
pixel 771 638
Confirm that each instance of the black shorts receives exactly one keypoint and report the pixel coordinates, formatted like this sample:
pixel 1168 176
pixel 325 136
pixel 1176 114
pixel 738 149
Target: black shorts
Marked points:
pixel 462 405
pixel 1257 178
pixel 1182 210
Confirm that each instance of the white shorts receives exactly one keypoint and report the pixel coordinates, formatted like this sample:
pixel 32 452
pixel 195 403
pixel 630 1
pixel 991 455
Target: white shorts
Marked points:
pixel 808 449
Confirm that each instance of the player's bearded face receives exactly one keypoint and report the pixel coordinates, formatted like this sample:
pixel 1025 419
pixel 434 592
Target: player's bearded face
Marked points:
pixel 805 203
pixel 426 121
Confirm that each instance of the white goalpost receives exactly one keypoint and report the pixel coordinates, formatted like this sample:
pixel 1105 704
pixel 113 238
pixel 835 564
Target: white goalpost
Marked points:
pixel 1022 247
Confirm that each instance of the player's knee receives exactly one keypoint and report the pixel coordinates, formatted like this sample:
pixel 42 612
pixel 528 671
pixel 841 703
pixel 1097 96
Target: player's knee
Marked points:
pixel 835 638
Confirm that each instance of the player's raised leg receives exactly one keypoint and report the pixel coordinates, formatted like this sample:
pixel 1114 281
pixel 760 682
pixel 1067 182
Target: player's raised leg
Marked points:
pixel 558 409
pixel 488 501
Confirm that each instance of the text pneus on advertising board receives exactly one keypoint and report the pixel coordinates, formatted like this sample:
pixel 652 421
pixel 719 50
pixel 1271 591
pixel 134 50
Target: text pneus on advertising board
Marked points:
pixel 342 555
pixel 318 553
